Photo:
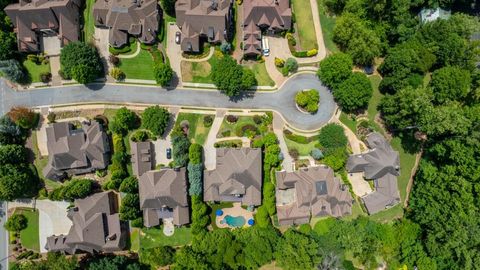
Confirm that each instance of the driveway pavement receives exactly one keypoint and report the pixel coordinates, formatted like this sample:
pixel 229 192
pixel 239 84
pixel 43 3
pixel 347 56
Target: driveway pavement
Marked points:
pixel 281 101
pixel 53 218
pixel 210 154
pixel 174 51
pixel 278 126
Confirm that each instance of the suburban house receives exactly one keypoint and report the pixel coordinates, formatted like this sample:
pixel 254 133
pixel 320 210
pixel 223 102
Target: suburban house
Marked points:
pixel 163 196
pixel 263 17
pixel 382 165
pixel 34 20
pixel 124 18
pixel 142 157
pixel 203 21
pixel 236 178
pixel 432 14
pixel 74 151
pixel 96 227
pixel 310 192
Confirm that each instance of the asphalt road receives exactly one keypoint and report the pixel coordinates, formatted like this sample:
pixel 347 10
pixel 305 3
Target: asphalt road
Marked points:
pixel 3 237
pixel 281 101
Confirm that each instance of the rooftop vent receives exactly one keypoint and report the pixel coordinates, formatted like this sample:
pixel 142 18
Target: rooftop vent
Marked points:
pixel 214 5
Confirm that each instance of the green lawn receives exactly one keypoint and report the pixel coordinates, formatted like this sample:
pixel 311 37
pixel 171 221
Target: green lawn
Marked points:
pixel 303 149
pixel 35 70
pixel 232 127
pixel 139 67
pixel 197 131
pixel 322 225
pixel 328 24
pixel 134 239
pixel 29 236
pixel 261 74
pixel 154 237
pixel 89 24
pixel 304 21
pixel 349 122
pixel 198 72
pixel 376 97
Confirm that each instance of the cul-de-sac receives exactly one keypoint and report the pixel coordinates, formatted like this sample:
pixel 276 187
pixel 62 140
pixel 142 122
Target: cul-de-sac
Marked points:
pixel 239 134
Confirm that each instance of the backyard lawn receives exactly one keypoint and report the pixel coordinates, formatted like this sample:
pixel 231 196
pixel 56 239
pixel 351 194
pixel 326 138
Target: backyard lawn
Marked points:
pixel 304 21
pixel 29 236
pixel 89 27
pixel 35 70
pixel 139 67
pixel 261 74
pixel 154 237
pixel 328 23
pixel 198 132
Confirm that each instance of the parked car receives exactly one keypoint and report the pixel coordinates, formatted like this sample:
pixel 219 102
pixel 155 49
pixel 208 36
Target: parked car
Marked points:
pixel 177 37
pixel 169 153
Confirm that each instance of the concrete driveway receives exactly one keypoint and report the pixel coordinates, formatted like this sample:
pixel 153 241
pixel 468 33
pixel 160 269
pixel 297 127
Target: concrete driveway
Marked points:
pixel 161 146
pixel 51 45
pixel 101 41
pixel 210 153
pixel 53 218
pixel 174 51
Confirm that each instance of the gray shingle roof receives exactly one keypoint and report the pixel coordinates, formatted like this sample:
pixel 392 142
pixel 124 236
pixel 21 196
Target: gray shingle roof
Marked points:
pixel 30 17
pixel 75 151
pixel 96 227
pixel 312 191
pixel 236 178
pixel 163 193
pixel 142 157
pixel 382 164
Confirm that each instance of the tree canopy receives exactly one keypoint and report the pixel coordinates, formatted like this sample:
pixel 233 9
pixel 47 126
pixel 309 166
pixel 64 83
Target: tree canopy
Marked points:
pixel 163 73
pixel 155 119
pixel 230 77
pixel 80 62
pixel 335 69
pixel 354 93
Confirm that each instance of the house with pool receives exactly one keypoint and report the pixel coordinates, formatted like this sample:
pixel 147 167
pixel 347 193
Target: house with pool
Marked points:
pixel 237 177
pixel 310 192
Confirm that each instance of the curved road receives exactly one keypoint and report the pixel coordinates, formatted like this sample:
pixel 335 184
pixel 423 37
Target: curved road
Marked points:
pixel 281 101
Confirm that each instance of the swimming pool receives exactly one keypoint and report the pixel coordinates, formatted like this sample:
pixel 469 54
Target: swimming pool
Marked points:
pixel 233 221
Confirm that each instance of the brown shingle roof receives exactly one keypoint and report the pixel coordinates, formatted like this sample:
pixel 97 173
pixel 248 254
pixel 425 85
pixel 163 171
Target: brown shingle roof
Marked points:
pixel 75 151
pixel 29 17
pixel 163 194
pixel 237 176
pixel 142 157
pixel 139 18
pixel 96 227
pixel 312 191
pixel 208 18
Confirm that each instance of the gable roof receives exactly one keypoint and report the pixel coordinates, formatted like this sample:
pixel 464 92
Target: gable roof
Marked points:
pixel 75 150
pixel 164 190
pixel 142 157
pixel 237 176
pixel 139 18
pixel 312 191
pixel 29 17
pixel 96 227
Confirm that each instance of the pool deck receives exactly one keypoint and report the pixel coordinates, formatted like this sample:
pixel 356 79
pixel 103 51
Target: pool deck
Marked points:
pixel 234 211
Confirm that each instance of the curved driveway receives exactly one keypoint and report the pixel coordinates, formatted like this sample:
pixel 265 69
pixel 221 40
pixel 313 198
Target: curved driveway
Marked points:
pixel 281 101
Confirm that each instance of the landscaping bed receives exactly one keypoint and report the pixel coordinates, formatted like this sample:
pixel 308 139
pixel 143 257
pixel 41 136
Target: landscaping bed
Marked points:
pixel 198 126
pixel 239 127
pixel 307 100
pixel 35 70
pixel 29 237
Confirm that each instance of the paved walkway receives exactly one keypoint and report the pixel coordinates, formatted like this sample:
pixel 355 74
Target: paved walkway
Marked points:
pixel 281 100
pixel 210 154
pixel 53 218
pixel 278 126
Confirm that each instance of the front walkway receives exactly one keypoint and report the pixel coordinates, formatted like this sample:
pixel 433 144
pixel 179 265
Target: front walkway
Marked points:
pixel 234 211
pixel 278 126
pixel 53 218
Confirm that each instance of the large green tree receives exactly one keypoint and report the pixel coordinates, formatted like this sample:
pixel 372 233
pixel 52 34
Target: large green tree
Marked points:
pixel 12 70
pixel 155 119
pixel 450 83
pixel 230 77
pixel 163 73
pixel 297 251
pixel 81 62
pixel 354 93
pixel 335 69
pixel 17 181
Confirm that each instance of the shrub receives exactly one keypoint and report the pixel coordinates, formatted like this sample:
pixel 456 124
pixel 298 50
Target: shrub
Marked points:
pixel 312 52
pixel 207 120
pixel 294 153
pixel 279 62
pixel 45 77
pixel 24 117
pixel 71 190
pixel 130 208
pixel 118 145
pixel 257 119
pixel 291 39
pixel 232 119
pixel 139 136
pixel 123 121
pixel 195 153
pixel 336 158
pixel 117 74
pixel 291 65
pixel 262 219
pixel 137 223
pixel 284 71
pixel 195 172
pixel 129 185
pixel 43 193
pixel 308 100
pixel 33 58
pixel 157 256
pixel 16 222
pixel 226 133
pixel 12 70
pixel 333 136
pixel 51 117
pixel 300 54
pixel 316 154
pixel 115 61
pixel 225 47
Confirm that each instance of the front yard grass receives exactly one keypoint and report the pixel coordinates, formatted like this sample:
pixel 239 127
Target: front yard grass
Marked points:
pixel 197 132
pixel 199 72
pixel 154 237
pixel 88 23
pixel 229 129
pixel 349 122
pixel 35 70
pixel 303 149
pixel 328 24
pixel 261 74
pixel 139 67
pixel 304 21
pixel 30 236
pixel 134 239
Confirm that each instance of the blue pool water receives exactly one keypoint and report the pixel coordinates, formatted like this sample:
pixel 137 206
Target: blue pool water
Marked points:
pixel 234 221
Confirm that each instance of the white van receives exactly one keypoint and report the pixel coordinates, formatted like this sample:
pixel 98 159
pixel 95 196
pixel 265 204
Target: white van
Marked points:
pixel 265 47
